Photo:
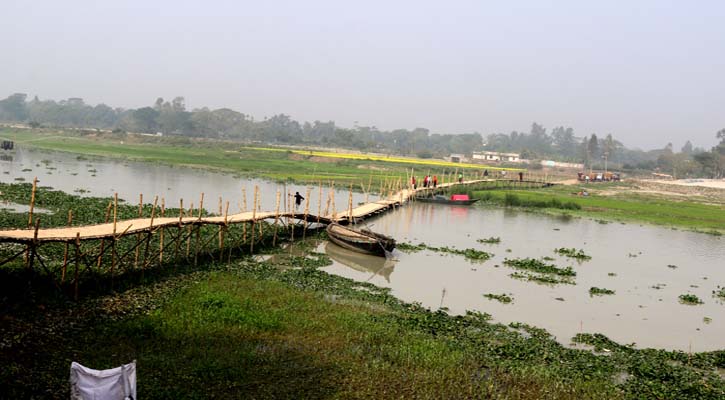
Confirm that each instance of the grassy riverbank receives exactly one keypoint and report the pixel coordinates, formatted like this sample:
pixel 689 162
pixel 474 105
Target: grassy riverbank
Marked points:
pixel 626 206
pixel 254 330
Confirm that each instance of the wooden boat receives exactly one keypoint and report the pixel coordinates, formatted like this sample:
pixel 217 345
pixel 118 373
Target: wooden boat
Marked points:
pixel 360 240
pixel 459 199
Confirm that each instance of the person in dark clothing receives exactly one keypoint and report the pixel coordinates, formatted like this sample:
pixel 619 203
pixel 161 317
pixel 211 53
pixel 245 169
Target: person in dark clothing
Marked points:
pixel 521 176
pixel 415 185
pixel 298 199
pixel 485 173
pixel 435 181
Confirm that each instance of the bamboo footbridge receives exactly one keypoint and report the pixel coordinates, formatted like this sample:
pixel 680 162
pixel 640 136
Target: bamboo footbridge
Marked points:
pixel 100 252
pixel 140 225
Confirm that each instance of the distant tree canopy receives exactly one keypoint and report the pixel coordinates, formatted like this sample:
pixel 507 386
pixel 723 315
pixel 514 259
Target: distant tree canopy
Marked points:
pixel 172 118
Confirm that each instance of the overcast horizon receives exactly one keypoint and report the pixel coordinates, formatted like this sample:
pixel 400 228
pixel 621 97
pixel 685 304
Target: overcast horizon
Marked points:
pixel 648 73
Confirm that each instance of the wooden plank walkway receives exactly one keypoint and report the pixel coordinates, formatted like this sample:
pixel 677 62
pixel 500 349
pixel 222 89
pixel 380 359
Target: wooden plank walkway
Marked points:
pixel 140 225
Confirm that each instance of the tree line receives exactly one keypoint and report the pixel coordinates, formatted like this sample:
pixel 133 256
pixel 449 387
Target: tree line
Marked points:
pixel 173 118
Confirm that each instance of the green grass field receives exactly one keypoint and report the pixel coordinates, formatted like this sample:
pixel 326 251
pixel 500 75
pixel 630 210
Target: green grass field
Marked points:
pixel 623 207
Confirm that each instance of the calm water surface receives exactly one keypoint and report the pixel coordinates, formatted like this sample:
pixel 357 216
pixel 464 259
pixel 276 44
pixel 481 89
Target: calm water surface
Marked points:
pixel 104 177
pixel 638 256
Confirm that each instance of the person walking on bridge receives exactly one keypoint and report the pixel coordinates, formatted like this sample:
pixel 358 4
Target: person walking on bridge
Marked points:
pixel 460 177
pixel 298 200
pixel 435 181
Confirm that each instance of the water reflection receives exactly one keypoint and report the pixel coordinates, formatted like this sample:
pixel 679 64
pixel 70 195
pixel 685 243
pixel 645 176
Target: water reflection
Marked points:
pixel 361 262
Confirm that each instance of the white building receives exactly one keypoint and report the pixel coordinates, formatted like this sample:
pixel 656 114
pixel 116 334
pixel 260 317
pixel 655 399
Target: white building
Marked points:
pixel 496 156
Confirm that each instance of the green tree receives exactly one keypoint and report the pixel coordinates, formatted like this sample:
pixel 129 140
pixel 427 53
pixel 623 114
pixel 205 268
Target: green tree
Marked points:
pixel 144 119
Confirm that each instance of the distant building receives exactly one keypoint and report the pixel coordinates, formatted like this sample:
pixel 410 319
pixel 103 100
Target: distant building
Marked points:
pixel 457 158
pixel 496 156
pixel 559 164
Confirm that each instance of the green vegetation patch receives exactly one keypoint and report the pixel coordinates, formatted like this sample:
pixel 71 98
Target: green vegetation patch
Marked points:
pixel 491 240
pixel 545 279
pixel 626 206
pixel 539 266
pixel 690 299
pixel 719 293
pixel 471 254
pixel 503 298
pixel 573 253
pixel 595 291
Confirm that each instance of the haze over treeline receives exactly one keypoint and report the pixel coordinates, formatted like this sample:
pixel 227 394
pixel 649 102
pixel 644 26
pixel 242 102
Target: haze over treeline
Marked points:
pixel 648 72
pixel 170 117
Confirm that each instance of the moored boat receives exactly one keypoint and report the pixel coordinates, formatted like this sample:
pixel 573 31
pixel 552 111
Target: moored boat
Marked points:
pixel 360 240
pixel 460 199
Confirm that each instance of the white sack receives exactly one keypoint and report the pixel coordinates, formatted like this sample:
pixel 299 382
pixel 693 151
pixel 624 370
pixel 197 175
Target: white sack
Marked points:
pixel 108 384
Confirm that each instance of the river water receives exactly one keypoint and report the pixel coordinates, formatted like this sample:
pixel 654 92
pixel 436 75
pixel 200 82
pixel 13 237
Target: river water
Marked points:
pixel 104 177
pixel 630 259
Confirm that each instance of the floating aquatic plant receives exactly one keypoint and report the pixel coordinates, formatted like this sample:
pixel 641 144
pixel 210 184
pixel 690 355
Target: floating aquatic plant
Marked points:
pixel 595 291
pixel 573 253
pixel 535 265
pixel 471 254
pixel 491 240
pixel 541 278
pixel 503 298
pixel 690 299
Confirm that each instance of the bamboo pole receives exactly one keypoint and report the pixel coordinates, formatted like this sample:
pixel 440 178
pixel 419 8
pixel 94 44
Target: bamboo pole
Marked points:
pixel 334 209
pixel 307 211
pixel 138 235
pixel 291 227
pixel 179 236
pixel 319 202
pixel 114 249
pixel 244 209
pixel 198 231
pixel 254 216
pixel 75 274
pixel 65 253
pixel 221 228
pixel 189 230
pixel 222 232
pixel 161 233
pixel 349 206
pixel 148 240
pixel 276 219
pixel 30 219
pixel 35 242
pixel 32 202
pixel 103 242
pixel 284 203
pixel 259 210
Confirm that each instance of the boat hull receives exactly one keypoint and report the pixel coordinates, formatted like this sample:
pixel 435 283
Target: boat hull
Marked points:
pixel 446 201
pixel 360 241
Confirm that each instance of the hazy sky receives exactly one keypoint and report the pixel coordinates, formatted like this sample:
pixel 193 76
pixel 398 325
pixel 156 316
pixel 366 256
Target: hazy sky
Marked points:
pixel 648 72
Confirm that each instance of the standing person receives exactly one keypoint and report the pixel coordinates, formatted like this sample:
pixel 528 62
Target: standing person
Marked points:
pixel 425 181
pixel 435 181
pixel 460 177
pixel 298 200
pixel 415 186
pixel 485 173
pixel 521 176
